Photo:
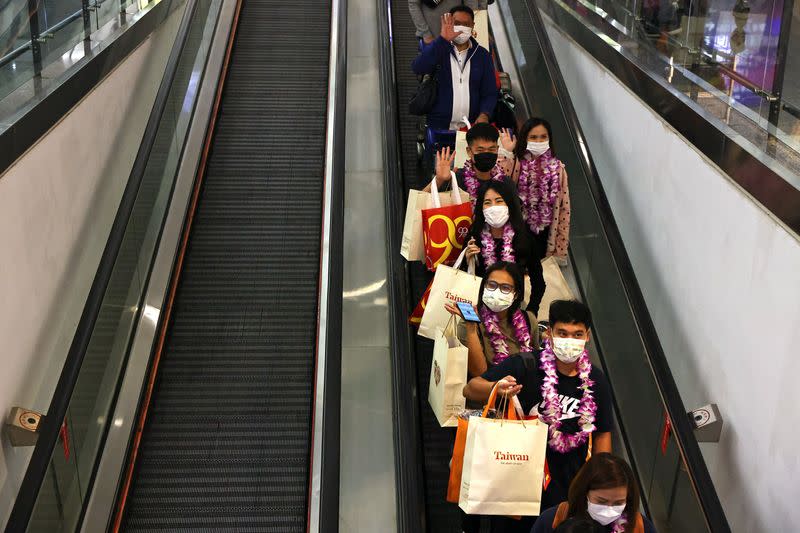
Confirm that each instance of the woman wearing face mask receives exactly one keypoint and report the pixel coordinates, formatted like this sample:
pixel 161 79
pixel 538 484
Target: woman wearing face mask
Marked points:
pixel 560 387
pixel 605 491
pixel 542 185
pixel 499 234
pixel 505 329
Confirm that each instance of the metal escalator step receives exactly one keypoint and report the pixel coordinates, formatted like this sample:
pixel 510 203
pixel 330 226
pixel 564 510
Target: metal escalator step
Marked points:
pixel 227 441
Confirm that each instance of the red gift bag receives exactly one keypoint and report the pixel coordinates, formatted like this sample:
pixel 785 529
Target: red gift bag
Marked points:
pixel 445 230
pixel 419 310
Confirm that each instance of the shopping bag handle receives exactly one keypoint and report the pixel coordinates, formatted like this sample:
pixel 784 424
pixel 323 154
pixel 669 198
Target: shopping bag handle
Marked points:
pixel 454 192
pixel 511 412
pixel 470 262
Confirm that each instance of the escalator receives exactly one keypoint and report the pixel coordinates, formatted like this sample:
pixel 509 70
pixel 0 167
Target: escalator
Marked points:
pixel 653 430
pixel 237 424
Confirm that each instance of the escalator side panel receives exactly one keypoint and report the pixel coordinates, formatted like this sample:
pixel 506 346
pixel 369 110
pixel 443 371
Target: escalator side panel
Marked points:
pixel 227 442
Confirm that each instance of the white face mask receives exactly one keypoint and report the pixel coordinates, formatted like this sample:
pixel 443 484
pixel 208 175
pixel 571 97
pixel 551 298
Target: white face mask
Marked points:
pixel 496 216
pixel 464 33
pixel 604 514
pixel 538 149
pixel 496 301
pixel 568 350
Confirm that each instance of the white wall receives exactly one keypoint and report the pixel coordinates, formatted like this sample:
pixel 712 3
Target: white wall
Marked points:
pixel 722 282
pixel 57 203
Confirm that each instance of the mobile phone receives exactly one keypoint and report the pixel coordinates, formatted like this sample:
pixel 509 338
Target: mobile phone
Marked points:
pixel 468 312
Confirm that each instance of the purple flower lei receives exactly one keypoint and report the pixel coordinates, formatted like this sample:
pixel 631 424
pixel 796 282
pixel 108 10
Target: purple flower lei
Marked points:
pixel 472 182
pixel 563 442
pixel 620 523
pixel 538 187
pixel 521 332
pixel 488 248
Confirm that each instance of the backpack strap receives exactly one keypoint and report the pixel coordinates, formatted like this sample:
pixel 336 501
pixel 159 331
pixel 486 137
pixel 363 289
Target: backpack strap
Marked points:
pixel 561 514
pixel 529 360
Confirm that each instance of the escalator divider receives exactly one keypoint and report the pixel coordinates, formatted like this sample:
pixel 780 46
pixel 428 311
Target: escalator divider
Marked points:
pixel 409 481
pixel 164 318
pixel 323 472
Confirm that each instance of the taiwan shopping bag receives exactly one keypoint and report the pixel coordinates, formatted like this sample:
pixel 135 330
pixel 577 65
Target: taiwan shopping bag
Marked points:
pixel 412 246
pixel 448 376
pixel 503 467
pixel 445 228
pixel 449 285
pixel 457 462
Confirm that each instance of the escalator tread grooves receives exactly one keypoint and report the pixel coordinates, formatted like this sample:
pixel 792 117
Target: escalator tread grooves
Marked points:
pixel 227 441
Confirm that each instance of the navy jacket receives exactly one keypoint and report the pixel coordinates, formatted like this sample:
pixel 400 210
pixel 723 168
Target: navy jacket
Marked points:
pixel 482 84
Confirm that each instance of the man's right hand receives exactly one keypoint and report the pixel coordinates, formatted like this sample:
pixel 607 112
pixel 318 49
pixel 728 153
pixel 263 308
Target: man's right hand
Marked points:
pixel 444 160
pixel 508 386
pixel 507 139
pixel 448 33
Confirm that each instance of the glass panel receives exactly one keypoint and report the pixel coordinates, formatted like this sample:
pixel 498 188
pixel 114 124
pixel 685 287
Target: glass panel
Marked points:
pixel 16 61
pixel 92 403
pixel 664 483
pixel 732 58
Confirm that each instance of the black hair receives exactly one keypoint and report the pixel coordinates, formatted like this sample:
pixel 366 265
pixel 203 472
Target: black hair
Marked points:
pixel 482 131
pixel 604 471
pixel 519 285
pixel 522 137
pixel 514 211
pixel 579 524
pixel 463 9
pixel 570 312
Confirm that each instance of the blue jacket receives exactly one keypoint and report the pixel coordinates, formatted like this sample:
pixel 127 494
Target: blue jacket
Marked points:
pixel 482 84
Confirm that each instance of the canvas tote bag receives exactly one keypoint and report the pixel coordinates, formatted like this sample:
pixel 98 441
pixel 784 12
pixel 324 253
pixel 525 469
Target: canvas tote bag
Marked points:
pixel 448 376
pixel 449 285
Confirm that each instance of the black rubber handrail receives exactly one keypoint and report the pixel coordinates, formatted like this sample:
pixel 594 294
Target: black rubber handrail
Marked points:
pixel 51 423
pixel 682 429
pixel 409 486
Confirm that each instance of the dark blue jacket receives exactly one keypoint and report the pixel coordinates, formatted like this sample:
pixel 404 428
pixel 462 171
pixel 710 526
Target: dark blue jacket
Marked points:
pixel 482 84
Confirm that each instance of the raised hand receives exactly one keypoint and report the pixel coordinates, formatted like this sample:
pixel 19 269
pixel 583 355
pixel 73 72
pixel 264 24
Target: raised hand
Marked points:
pixel 448 33
pixel 444 161
pixel 507 139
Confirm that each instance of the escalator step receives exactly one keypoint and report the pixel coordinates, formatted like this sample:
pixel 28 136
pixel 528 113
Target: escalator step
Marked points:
pixel 227 442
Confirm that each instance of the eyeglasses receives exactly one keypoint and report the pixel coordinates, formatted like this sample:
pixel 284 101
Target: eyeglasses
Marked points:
pixel 505 288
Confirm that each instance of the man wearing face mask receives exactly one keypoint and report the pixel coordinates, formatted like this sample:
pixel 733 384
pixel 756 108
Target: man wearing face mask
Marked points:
pixel 467 84
pixel 561 387
pixel 427 15
pixel 481 167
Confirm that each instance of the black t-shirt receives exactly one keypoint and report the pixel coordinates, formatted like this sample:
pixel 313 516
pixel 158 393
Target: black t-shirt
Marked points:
pixel 562 466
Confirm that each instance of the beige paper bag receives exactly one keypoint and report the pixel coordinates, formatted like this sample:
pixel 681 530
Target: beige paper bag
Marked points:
pixel 461 149
pixel 412 246
pixel 448 376
pixel 482 27
pixel 557 288
pixel 449 285
pixel 503 467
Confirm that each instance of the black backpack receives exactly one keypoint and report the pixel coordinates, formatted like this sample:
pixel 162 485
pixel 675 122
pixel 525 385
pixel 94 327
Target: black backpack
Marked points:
pixel 423 100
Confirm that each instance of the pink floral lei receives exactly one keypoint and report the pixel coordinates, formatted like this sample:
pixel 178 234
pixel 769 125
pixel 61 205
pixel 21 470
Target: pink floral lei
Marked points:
pixel 564 442
pixel 488 248
pixel 521 332
pixel 620 523
pixel 472 182
pixel 538 187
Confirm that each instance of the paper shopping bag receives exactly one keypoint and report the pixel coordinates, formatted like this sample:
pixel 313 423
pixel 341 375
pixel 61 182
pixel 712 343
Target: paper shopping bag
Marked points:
pixel 461 149
pixel 457 462
pixel 482 27
pixel 503 467
pixel 416 315
pixel 556 287
pixel 449 285
pixel 412 246
pixel 448 376
pixel 445 229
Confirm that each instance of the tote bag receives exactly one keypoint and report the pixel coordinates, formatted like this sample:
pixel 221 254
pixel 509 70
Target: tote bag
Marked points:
pixel 445 228
pixel 449 285
pixel 448 376
pixel 503 467
pixel 412 247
